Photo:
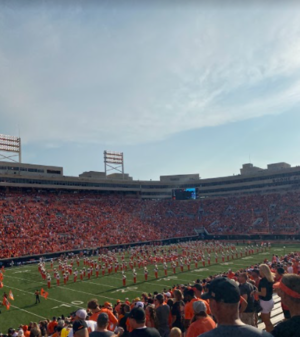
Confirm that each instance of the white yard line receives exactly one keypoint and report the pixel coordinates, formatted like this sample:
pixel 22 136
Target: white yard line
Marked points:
pixel 165 285
pixel 49 298
pixel 28 312
pixel 65 288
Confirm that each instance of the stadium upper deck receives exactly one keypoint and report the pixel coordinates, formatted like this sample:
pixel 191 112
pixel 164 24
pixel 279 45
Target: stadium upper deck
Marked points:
pixel 276 178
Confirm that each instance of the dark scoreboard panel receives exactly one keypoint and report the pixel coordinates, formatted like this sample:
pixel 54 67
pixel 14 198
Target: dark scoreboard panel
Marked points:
pixel 184 194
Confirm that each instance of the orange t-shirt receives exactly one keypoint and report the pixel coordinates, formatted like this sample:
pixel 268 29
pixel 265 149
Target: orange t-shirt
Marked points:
pixel 189 311
pixel 94 316
pixel 51 327
pixel 200 326
pixel 112 318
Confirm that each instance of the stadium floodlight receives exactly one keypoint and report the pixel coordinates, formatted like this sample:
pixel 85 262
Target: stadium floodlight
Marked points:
pixel 114 161
pixel 10 144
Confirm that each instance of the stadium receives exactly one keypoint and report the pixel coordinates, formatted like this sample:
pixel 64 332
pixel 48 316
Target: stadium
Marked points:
pixel 149 168
pixel 110 237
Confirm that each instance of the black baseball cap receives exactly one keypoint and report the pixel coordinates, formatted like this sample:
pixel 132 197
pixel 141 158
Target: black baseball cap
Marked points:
pixel 137 314
pixel 79 325
pixel 222 289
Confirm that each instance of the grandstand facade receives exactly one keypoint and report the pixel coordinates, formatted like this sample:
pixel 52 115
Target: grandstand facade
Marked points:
pixel 280 177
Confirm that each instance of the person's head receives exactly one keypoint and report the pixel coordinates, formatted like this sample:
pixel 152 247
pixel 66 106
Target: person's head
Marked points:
pixel 279 272
pixel 199 308
pixel 61 323
pixel 144 297
pixel 81 314
pixel 265 272
pixel 159 299
pixel 177 295
pixel 93 305
pixel 125 308
pixel 108 305
pixel 175 332
pixel 118 307
pixel 102 321
pixel 189 294
pixel 35 332
pixel 137 318
pixel 139 304
pixel 198 289
pixel 10 331
pixel 255 274
pixel 224 298
pixel 242 278
pixel 80 329
pixel 289 290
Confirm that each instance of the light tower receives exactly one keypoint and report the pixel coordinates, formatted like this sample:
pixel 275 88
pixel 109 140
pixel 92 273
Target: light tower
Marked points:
pixel 114 161
pixel 10 144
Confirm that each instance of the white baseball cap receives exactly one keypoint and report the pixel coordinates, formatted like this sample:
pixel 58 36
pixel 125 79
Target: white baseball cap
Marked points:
pixel 81 313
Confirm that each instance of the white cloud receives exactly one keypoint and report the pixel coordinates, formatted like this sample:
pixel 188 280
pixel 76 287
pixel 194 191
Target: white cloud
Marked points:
pixel 119 76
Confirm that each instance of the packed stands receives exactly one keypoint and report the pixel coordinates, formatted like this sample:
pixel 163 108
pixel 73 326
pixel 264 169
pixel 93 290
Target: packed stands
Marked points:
pixel 38 222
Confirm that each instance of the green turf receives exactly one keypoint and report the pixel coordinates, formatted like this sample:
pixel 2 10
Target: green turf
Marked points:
pixel 23 281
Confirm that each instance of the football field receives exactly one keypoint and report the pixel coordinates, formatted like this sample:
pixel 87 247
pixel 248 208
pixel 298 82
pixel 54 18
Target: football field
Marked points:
pixel 23 281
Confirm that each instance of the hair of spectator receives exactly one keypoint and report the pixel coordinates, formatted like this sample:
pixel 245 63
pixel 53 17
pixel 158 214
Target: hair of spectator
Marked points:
pixel 93 304
pixel 266 272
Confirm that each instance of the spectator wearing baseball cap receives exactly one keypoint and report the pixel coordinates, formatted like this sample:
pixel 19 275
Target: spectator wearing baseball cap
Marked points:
pixel 289 291
pixel 189 296
pixel 224 299
pixel 113 321
pixel 137 320
pixel 201 322
pixel 81 315
pixel 278 276
pixel 80 328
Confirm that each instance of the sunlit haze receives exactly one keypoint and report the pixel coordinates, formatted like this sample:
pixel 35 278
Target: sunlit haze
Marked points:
pixel 178 86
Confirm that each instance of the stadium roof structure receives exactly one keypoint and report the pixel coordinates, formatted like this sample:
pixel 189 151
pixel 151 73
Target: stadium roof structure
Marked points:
pixel 280 177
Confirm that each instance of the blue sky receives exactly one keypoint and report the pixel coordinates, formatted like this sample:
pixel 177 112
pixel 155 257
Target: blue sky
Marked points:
pixel 178 86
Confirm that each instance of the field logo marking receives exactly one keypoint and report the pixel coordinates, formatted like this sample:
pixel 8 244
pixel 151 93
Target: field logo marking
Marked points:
pixel 248 258
pixel 226 263
pixel 199 270
pixel 125 290
pixel 76 302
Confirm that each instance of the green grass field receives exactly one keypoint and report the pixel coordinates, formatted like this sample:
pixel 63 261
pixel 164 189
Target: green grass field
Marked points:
pixel 23 281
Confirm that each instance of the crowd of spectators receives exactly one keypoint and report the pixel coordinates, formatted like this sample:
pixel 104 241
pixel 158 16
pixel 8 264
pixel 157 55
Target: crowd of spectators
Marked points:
pixel 38 222
pixel 226 304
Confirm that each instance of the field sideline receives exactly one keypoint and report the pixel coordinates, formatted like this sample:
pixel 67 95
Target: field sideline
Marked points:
pixel 24 280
